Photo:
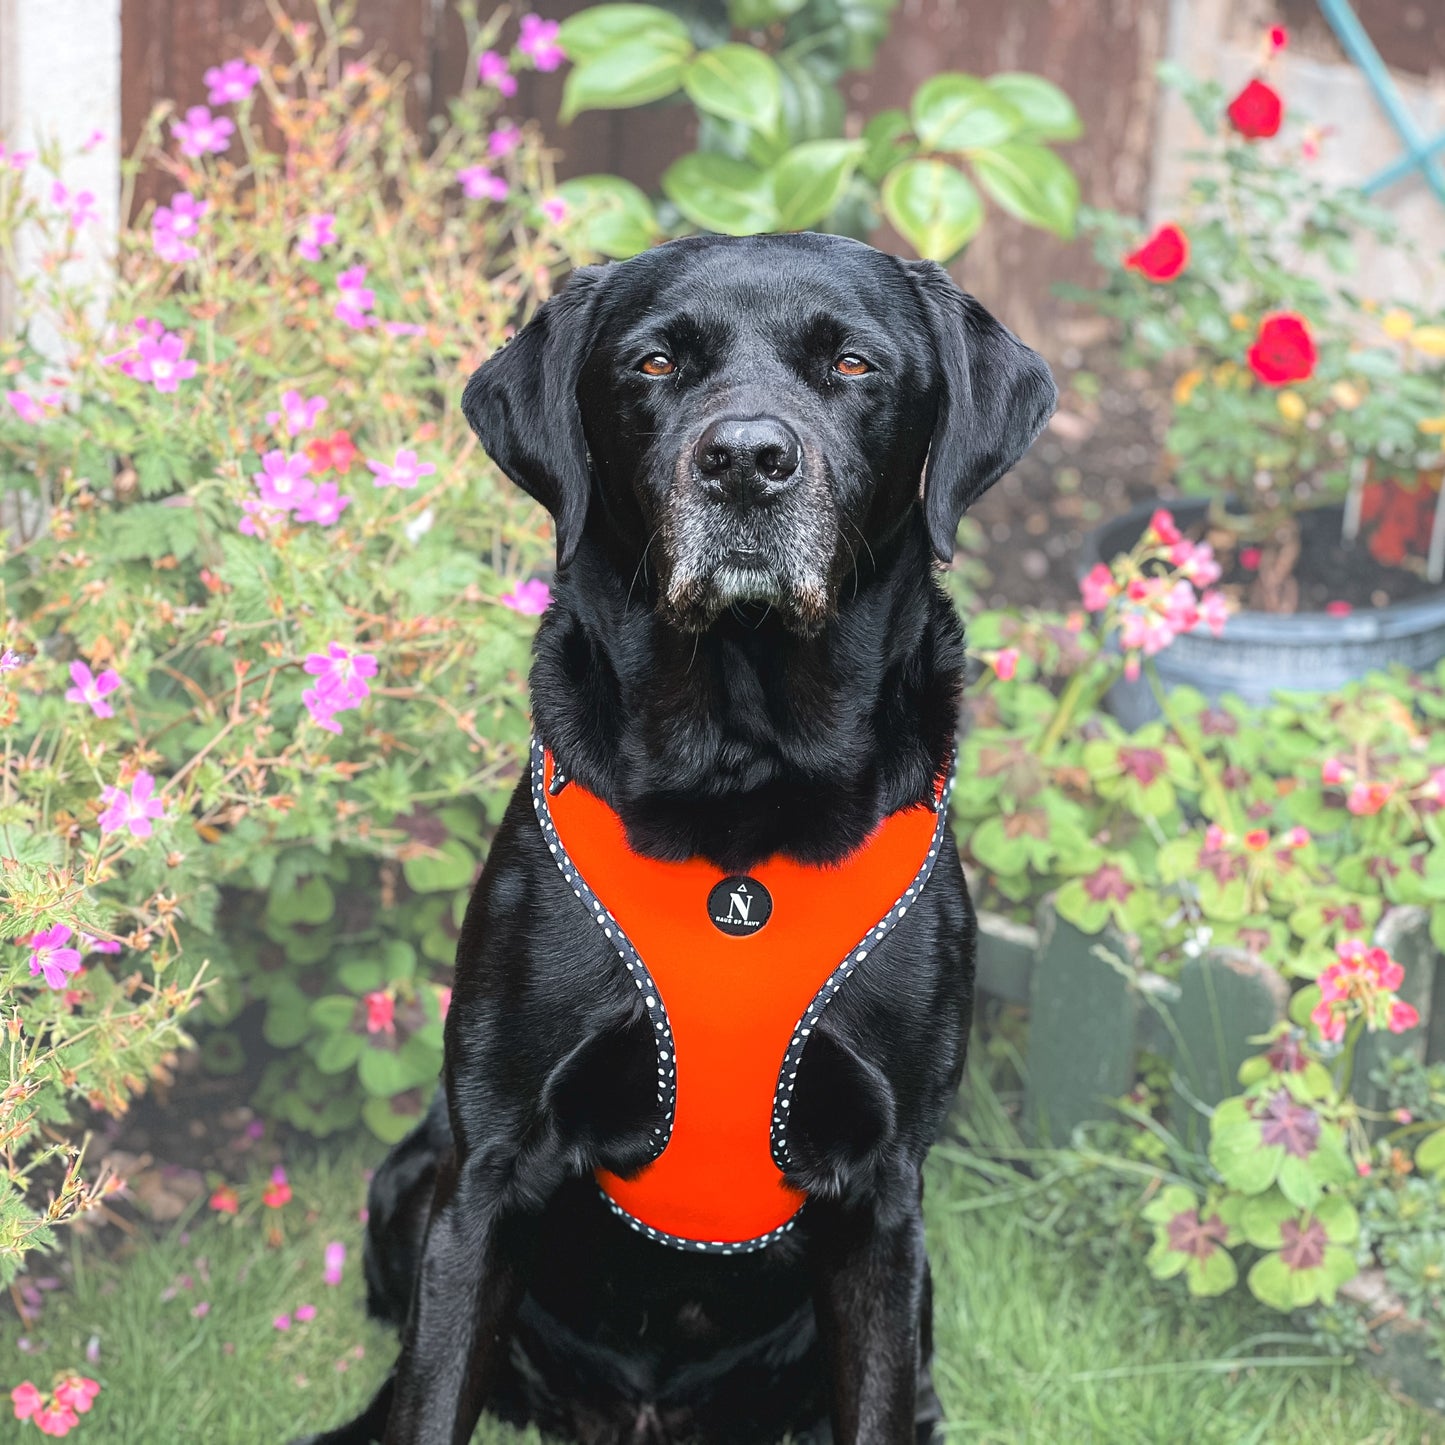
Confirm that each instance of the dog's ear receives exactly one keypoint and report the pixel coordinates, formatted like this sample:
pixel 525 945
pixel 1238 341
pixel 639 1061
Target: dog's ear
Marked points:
pixel 996 396
pixel 522 404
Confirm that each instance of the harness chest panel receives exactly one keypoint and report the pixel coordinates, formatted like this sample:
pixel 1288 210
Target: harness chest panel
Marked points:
pixel 734 972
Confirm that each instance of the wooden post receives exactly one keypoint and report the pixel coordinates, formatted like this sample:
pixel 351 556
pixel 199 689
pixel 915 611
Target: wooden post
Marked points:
pixel 1083 1027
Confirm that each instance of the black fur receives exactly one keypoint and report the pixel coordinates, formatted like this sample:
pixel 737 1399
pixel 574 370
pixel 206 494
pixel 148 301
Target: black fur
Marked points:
pixel 737 680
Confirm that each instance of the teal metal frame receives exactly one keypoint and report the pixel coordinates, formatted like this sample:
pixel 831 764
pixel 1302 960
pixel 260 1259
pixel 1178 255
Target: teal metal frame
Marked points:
pixel 1421 153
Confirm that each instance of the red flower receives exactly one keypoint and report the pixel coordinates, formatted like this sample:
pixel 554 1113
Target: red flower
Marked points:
pixel 334 453
pixel 380 1013
pixel 1162 257
pixel 278 1192
pixel 1284 350
pixel 225 1200
pixel 1256 112
pixel 1278 38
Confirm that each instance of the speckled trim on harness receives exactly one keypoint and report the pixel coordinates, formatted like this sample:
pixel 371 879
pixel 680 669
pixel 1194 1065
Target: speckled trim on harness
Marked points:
pixel 652 1000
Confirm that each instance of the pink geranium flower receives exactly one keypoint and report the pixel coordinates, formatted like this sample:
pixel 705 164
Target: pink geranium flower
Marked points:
pixel 162 362
pixel 1098 588
pixel 492 69
pixel 299 412
pixel 202 133
pixel 305 1313
pixel 77 1393
pixel 1366 799
pixel 555 209
pixel 403 471
pixel 231 82
pixel 341 683
pixel 283 481
pixel 173 224
pixel 324 506
pixel 1006 663
pixel 538 39
pixel 29 408
pixel 133 810
pixel 1361 984
pixel 51 958
pixel 356 300
pixel 531 598
pixel 82 204
pixel 479 184
pixel 26 1399
pixel 320 230
pixel 278 1192
pixel 504 140
pixel 333 1262
pixel 92 690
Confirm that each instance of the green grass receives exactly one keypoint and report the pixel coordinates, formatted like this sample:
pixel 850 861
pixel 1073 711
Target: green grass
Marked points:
pixel 1035 1343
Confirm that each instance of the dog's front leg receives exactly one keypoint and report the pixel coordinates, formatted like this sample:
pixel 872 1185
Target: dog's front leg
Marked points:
pixel 869 1290
pixel 472 1275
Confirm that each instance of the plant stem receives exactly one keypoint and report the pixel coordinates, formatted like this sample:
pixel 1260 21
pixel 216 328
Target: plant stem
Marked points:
pixel 1068 705
pixel 1347 1055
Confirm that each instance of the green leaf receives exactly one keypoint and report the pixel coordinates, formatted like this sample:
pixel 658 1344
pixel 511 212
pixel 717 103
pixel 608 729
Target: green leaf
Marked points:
pixel 338 1052
pixel 812 110
pixel 808 181
pixel 720 194
pixel 598 29
pixel 933 206
pixel 888 140
pixel 1430 1155
pixel 1271 1282
pixel 1048 114
pixel 1211 1276
pixel 385 1122
pixel 360 975
pixel 383 1072
pixel 759 14
pixel 610 215
pixel 311 902
pixel 451 869
pixel 631 73
pixel 1032 183
pixel 960 113
pixel 736 82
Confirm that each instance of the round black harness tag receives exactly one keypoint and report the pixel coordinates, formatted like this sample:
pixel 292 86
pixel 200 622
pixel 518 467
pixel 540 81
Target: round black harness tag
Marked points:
pixel 739 906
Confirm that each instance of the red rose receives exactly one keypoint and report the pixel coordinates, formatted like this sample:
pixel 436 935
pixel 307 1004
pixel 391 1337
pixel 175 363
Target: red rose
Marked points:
pixel 1284 350
pixel 1256 112
pixel 1162 257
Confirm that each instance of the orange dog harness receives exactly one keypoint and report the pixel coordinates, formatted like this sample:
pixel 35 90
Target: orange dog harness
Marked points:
pixel 738 969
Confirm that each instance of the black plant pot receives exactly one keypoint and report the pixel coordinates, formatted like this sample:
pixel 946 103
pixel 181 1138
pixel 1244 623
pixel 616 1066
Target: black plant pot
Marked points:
pixel 1262 653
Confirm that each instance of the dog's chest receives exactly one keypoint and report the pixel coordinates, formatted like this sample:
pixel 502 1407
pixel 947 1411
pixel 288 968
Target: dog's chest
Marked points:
pixel 734 973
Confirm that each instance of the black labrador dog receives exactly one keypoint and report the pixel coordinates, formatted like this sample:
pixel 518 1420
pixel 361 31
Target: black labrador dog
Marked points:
pixel 748 657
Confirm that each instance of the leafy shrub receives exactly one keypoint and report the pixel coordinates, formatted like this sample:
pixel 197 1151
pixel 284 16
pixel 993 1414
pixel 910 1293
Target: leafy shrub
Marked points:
pixel 772 154
pixel 264 603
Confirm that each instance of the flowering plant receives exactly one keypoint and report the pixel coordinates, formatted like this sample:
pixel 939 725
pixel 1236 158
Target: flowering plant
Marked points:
pixel 1292 389
pixel 264 607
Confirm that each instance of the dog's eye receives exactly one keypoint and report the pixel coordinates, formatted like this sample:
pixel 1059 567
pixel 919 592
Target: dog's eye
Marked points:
pixel 851 366
pixel 657 364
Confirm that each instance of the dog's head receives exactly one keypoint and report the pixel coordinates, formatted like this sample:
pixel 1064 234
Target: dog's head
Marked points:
pixel 752 415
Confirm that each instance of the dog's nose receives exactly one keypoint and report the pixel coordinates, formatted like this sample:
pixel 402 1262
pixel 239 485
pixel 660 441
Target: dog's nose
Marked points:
pixel 748 459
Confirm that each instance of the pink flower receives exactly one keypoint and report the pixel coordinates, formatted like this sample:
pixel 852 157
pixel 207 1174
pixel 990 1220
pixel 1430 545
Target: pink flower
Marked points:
pixel 89 943
pixel 281 1322
pixel 16 160
pixel 225 1200
pixel 183 215
pixel 341 683
pixel 1249 558
pixel 1181 608
pixel 56 1420
pixel 92 690
pixel 334 1261
pixel 82 204
pixel 1163 528
pixel 170 248
pixel 320 230
pixel 531 598
pixel 1006 663
pixel 27 407
pixel 200 1309
pixel 1099 588
pixel 134 810
pixel 324 506
pixel 492 69
pixel 1297 838
pixel 233 81
pixel 1196 562
pixel 1214 612
pixel 504 140
pixel 305 1313
pixel 404 471
pixel 1366 799
pixel 201 133
pixel 300 412
pixel 50 956
pixel 95 138
pixel 1215 837
pixel 10 660
pixel 26 1399
pixel 555 209
pixel 357 298
pixel 1338 609
pixel 283 481
pixel 278 1192
pixel 479 184
pixel 162 362
pixel 1402 1016
pixel 380 1012
pixel 538 39
pixel 75 1392
pixel 1332 772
